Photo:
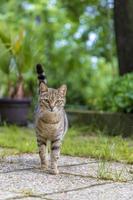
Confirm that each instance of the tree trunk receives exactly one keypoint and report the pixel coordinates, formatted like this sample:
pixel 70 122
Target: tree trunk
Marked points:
pixel 123 22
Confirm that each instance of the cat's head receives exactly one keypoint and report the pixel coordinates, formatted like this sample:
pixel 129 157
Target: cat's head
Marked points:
pixel 52 99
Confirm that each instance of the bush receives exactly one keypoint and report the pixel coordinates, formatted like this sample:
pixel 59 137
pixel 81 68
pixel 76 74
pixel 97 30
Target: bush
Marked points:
pixel 119 97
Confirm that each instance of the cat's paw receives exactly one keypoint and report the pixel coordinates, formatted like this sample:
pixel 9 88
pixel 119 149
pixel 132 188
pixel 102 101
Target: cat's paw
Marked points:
pixel 54 171
pixel 44 166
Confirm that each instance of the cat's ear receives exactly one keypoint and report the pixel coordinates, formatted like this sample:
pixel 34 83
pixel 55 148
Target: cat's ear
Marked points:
pixel 62 90
pixel 43 87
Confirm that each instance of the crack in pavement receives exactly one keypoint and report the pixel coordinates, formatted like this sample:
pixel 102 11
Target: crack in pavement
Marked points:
pixel 63 173
pixel 76 189
pixel 69 165
pixel 80 175
pixel 95 177
pixel 44 196
pixel 78 164
pixel 30 168
pixel 27 196
pixel 17 197
pixel 47 172
pixel 19 170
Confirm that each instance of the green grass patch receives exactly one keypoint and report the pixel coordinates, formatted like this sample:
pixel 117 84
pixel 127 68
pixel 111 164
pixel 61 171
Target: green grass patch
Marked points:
pixel 93 143
pixel 83 141
pixel 21 139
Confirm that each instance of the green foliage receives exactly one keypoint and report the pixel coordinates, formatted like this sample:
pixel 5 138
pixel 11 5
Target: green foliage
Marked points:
pixel 119 96
pixel 95 19
pixel 73 40
pixel 18 55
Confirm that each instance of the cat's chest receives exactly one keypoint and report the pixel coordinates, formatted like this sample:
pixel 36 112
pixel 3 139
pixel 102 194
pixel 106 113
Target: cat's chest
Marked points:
pixel 49 130
pixel 51 117
pixel 50 124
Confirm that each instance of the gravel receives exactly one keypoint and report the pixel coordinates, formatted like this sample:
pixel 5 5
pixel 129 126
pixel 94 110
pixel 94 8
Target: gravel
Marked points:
pixel 22 178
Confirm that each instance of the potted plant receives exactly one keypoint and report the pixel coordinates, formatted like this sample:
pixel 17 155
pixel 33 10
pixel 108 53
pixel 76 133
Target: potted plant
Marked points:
pixel 17 61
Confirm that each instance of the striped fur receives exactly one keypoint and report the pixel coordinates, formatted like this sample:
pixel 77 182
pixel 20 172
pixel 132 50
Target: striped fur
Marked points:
pixel 51 121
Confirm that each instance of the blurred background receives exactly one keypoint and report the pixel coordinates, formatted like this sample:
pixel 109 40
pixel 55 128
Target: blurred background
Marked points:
pixel 85 44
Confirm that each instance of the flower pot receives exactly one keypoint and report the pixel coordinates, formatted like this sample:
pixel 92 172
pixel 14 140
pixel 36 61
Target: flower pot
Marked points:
pixel 14 111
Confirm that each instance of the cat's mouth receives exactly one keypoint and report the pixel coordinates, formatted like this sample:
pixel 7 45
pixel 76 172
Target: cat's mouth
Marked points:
pixel 51 110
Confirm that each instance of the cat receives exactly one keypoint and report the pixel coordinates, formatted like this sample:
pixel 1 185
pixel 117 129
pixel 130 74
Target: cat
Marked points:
pixel 51 122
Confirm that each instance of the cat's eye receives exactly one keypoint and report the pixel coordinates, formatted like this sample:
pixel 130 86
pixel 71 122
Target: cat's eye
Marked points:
pixel 46 100
pixel 59 101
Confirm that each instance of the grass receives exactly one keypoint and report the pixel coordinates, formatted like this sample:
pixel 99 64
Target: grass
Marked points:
pixel 21 139
pixel 83 141
pixel 106 173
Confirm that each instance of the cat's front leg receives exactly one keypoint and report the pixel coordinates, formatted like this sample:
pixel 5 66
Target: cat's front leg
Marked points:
pixel 55 154
pixel 43 156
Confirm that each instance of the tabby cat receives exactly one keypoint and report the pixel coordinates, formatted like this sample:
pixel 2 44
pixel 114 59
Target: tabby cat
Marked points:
pixel 51 122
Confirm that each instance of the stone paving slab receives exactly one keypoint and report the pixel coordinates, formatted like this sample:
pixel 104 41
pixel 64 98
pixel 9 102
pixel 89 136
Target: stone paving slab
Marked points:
pixel 92 169
pixel 100 192
pixel 39 182
pixel 75 165
pixel 8 195
pixel 22 178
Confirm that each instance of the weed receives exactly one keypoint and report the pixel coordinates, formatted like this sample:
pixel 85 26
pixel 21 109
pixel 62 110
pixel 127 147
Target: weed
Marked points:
pixel 106 173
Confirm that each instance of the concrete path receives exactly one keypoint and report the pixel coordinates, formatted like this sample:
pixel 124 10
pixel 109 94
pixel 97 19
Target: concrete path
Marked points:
pixel 79 179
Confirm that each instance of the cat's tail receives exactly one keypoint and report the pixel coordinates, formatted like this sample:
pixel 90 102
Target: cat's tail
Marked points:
pixel 41 74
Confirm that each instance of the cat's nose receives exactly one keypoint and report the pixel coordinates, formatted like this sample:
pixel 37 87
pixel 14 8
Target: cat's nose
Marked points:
pixel 51 107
